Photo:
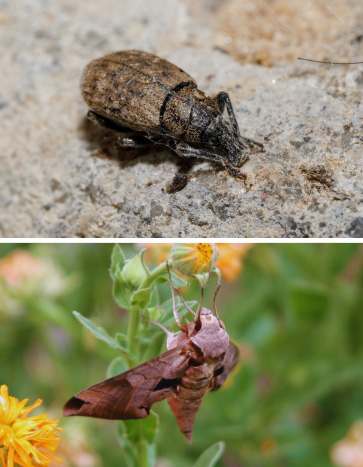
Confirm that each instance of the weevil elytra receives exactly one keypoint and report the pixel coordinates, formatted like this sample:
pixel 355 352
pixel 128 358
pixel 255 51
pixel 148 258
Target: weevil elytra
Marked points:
pixel 148 99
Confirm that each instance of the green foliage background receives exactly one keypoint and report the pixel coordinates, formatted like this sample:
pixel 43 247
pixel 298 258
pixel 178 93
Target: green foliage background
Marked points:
pixel 296 311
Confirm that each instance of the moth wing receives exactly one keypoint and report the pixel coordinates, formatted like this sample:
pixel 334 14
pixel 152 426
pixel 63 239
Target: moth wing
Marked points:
pixel 223 370
pixel 131 394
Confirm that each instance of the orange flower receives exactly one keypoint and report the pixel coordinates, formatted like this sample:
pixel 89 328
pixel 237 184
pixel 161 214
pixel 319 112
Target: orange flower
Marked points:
pixel 230 259
pixel 23 438
pixel 348 452
pixel 157 252
pixel 20 265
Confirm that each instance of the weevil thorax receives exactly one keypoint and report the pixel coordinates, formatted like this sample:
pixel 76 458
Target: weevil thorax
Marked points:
pixel 211 338
pixel 221 138
pixel 188 113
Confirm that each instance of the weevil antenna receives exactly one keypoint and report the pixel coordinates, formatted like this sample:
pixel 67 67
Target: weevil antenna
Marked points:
pixel 214 301
pixel 175 311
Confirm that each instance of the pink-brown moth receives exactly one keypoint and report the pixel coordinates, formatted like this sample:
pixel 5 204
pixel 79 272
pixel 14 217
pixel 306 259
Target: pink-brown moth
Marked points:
pixel 198 360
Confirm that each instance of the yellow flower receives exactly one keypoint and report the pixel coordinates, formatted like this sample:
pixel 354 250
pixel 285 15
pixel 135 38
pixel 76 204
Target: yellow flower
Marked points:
pixel 230 259
pixel 194 258
pixel 22 437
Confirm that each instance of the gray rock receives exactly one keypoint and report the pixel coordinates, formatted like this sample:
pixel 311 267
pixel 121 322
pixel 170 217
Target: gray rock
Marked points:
pixel 60 177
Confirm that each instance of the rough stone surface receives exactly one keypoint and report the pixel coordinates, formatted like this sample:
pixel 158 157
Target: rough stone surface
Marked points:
pixel 61 177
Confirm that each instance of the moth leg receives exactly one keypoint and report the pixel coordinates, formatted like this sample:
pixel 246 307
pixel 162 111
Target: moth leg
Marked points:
pixel 167 332
pixel 215 306
pixel 182 327
pixel 184 303
pixel 197 316
pixel 127 139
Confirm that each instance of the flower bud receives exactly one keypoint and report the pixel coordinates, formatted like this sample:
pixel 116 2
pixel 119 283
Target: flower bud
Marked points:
pixel 193 258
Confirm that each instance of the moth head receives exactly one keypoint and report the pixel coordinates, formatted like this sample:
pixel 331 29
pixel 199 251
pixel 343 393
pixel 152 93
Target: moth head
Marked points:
pixel 207 319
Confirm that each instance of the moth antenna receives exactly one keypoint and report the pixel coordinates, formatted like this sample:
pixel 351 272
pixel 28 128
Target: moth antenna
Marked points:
pixel 184 302
pixel 168 333
pixel 175 311
pixel 214 301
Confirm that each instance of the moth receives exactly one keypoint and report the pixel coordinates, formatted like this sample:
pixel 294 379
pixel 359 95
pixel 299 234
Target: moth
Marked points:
pixel 198 360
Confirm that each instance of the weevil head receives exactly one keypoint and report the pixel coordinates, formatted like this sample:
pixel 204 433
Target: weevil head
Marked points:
pixel 223 140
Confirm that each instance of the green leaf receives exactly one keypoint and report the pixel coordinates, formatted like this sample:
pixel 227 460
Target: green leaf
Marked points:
pixel 211 455
pixel 154 313
pixel 122 340
pixel 142 259
pixel 117 260
pixel 117 366
pixel 141 297
pixel 177 281
pixel 202 278
pixel 97 331
pixel 121 291
pixel 155 346
pixel 143 429
pixel 128 449
pixel 218 273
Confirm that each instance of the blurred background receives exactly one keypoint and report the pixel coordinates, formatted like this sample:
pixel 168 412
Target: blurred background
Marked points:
pixel 294 310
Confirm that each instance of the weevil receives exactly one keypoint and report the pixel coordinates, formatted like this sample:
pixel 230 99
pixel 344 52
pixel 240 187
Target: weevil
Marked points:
pixel 149 100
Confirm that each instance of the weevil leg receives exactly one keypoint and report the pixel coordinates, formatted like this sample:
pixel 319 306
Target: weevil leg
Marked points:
pixel 223 100
pixel 127 138
pixel 235 172
pixel 185 150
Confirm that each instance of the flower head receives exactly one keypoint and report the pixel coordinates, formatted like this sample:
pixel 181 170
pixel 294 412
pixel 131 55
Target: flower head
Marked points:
pixel 194 258
pixel 22 438
pixel 19 266
pixel 230 259
pixel 348 452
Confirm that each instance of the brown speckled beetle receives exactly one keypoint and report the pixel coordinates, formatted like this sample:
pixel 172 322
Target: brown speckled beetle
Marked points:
pixel 148 99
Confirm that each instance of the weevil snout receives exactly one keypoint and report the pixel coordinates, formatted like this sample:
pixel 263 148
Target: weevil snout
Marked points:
pixel 221 137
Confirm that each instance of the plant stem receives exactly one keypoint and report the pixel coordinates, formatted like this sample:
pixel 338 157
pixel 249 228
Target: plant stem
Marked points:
pixel 133 326
pixel 158 271
pixel 142 455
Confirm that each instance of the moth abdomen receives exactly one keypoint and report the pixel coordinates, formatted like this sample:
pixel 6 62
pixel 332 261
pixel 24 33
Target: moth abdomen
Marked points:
pixel 185 403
